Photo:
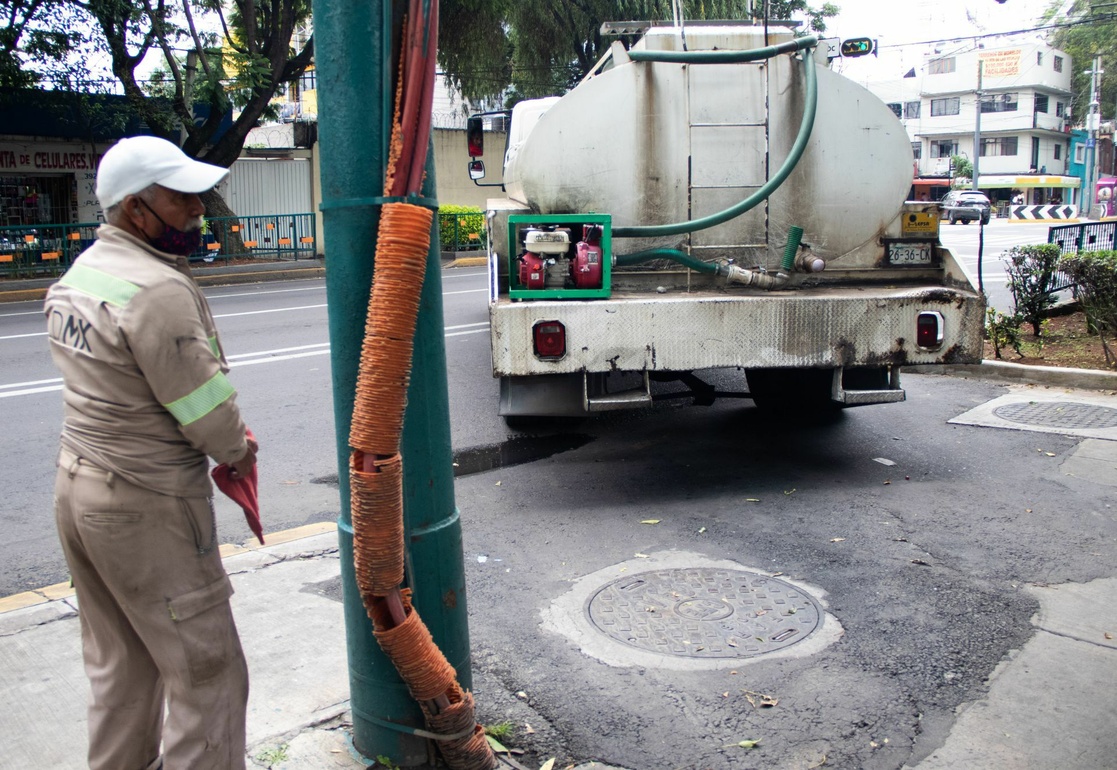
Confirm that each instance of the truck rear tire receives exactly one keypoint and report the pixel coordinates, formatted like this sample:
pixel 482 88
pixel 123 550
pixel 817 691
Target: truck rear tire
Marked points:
pixel 792 391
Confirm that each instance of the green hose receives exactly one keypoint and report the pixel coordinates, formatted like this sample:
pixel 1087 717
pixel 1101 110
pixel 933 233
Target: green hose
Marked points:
pixel 809 108
pixel 624 260
pixel 724 57
pixel 794 236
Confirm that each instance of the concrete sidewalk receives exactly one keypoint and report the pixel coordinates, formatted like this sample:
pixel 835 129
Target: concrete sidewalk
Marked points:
pixel 298 708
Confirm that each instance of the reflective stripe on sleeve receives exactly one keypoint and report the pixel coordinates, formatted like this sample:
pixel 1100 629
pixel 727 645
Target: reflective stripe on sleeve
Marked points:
pixel 88 280
pixel 196 405
pixel 213 347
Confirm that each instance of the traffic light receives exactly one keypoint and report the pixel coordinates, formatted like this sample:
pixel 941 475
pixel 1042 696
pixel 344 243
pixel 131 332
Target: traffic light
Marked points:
pixel 859 46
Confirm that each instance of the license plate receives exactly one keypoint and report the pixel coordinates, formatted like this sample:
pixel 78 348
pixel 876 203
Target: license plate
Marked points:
pixel 910 254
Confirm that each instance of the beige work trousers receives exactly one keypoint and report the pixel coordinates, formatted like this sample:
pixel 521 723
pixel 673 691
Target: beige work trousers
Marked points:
pixel 156 624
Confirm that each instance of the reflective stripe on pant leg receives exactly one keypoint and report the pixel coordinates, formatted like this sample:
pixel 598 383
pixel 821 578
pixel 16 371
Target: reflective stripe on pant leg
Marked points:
pixel 147 552
pixel 126 704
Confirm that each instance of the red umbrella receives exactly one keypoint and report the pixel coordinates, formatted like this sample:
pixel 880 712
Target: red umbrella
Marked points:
pixel 243 491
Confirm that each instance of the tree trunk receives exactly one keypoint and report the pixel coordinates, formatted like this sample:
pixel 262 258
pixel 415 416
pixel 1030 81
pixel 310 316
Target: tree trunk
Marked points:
pixel 225 231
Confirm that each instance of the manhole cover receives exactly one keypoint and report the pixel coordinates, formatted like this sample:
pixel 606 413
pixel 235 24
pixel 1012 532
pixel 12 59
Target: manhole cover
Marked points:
pixel 1059 414
pixel 704 613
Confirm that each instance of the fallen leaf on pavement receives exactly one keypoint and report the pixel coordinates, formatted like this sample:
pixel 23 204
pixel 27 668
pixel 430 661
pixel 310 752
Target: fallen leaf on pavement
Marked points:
pixel 1108 635
pixel 789 491
pixel 641 555
pixel 883 461
pixel 837 540
pixel 528 730
pixel 743 744
pixel 752 499
pixel 496 745
pixel 496 484
pixel 548 765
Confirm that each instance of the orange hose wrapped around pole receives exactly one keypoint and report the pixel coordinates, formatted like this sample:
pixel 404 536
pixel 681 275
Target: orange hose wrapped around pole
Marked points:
pixel 376 468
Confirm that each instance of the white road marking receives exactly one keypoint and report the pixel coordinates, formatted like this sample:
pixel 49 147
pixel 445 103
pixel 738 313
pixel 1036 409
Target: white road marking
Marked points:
pixel 240 359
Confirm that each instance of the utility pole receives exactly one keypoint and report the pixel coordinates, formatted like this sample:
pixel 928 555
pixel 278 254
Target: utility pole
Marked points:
pixel 1093 122
pixel 977 125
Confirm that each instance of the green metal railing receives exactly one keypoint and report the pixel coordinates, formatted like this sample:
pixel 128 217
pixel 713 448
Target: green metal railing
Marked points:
pixel 462 231
pixel 41 251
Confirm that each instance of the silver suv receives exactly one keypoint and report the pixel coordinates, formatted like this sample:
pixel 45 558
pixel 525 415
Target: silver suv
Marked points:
pixel 966 206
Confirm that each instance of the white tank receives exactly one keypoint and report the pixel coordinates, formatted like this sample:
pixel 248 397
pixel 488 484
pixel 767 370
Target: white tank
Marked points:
pixel 659 143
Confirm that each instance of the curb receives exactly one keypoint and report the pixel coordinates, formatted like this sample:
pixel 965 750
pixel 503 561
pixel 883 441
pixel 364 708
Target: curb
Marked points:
pixel 1006 371
pixel 469 262
pixel 65 590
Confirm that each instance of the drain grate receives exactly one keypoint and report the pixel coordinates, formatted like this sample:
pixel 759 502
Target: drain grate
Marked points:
pixel 704 613
pixel 1059 414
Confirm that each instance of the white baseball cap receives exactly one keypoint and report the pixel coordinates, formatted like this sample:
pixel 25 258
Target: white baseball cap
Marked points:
pixel 138 162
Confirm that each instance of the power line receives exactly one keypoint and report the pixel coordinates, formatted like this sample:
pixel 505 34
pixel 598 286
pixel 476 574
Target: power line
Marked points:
pixel 1063 25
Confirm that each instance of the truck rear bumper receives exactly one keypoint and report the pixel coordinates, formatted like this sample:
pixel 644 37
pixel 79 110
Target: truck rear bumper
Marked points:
pixel 816 328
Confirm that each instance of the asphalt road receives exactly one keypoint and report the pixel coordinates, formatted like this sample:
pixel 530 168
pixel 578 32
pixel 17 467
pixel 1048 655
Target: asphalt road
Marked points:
pixel 999 235
pixel 919 536
pixel 277 341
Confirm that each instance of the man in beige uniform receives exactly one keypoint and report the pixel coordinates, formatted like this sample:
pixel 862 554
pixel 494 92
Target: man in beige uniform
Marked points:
pixel 146 400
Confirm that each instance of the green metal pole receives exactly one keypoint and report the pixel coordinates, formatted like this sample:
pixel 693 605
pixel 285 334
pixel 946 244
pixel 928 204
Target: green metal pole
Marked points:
pixel 354 91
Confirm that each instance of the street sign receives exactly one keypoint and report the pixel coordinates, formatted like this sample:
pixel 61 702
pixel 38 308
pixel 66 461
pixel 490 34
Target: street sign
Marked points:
pixel 832 44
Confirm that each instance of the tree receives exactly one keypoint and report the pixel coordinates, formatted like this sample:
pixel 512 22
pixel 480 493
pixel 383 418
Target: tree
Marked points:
pixel 1088 33
pixel 544 47
pixel 242 66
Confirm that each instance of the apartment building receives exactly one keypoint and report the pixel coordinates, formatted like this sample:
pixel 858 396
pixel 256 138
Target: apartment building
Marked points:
pixel 1022 93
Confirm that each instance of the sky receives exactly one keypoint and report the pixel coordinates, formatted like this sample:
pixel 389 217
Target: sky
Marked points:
pixel 897 24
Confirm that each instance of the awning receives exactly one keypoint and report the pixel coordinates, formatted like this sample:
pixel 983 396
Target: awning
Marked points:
pixel 932 182
pixel 1031 180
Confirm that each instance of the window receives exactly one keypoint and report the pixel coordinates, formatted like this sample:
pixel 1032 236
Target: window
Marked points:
pixel 1041 103
pixel 1059 109
pixel 896 108
pixel 911 109
pixel 947 106
pixel 940 66
pixel 308 81
pixel 1039 57
pixel 999 103
pixel 917 149
pixel 1080 153
pixel 1058 63
pixel 1001 145
pixel 1058 150
pixel 943 148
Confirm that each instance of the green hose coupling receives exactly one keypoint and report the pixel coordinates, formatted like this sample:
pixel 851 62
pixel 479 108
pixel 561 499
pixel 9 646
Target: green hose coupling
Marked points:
pixel 794 237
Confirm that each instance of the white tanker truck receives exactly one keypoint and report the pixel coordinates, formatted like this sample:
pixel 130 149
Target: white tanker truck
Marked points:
pixel 714 197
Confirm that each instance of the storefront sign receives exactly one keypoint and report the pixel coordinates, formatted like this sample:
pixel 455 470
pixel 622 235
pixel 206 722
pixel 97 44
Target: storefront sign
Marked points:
pixel 1000 64
pixel 31 158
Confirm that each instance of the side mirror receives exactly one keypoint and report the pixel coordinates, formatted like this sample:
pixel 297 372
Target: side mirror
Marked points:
pixel 476 169
pixel 475 136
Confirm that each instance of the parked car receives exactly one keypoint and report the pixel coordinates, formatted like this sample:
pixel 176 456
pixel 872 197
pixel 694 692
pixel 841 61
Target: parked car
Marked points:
pixel 966 206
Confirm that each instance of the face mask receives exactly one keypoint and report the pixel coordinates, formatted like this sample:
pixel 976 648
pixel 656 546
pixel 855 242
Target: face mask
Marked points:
pixel 172 240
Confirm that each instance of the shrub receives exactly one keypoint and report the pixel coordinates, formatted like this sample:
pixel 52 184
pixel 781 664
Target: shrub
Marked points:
pixel 461 228
pixel 1031 277
pixel 1003 331
pixel 1095 273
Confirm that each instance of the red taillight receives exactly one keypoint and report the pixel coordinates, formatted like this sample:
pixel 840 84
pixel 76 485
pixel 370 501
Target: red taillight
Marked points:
pixel 549 338
pixel 929 329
